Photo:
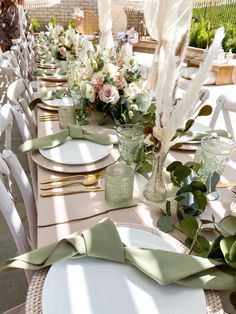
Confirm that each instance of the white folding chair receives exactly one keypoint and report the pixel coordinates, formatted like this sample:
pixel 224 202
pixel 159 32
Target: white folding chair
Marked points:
pixel 224 104
pixel 11 169
pixel 10 166
pixel 20 93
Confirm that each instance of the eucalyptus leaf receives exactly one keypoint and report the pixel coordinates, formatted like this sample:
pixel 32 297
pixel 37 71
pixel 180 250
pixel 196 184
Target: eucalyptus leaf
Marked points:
pixel 228 225
pixel 225 245
pixel 212 181
pixel 165 224
pixel 193 165
pixel 198 185
pixel 144 167
pixel 205 111
pixel 232 252
pixel 173 166
pixel 203 245
pixel 215 251
pixel 189 226
pixel 201 199
pixel 188 199
pixel 188 125
pixel 181 172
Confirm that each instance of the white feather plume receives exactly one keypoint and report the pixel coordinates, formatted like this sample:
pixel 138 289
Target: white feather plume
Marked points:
pixel 191 94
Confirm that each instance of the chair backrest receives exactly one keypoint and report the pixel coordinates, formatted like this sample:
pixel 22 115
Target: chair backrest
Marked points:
pixel 90 23
pixel 8 158
pixel 20 93
pixel 224 104
pixel 10 168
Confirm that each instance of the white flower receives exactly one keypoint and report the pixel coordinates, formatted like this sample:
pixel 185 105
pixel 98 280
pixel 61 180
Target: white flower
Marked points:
pixel 130 114
pixel 132 90
pixel 90 92
pixel 78 13
pixel 109 94
pixel 110 68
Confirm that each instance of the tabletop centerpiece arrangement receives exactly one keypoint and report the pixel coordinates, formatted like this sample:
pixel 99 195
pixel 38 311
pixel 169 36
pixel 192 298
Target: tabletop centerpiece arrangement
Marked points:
pixel 170 120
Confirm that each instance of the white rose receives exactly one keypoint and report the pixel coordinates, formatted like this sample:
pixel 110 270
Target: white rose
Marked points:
pixel 109 94
pixel 131 90
pixel 90 93
pixel 110 68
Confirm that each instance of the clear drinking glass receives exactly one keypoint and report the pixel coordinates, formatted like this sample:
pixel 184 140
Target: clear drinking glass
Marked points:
pixel 215 154
pixel 130 140
pixel 80 105
pixel 119 182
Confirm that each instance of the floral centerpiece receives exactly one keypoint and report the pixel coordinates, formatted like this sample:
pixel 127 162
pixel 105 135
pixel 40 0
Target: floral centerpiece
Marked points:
pixel 113 82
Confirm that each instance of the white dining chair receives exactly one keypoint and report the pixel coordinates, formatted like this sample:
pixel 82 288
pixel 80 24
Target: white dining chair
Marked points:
pixel 20 93
pixel 11 169
pixel 224 104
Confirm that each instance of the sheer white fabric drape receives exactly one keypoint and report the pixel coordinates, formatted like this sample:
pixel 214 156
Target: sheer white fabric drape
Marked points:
pixel 105 23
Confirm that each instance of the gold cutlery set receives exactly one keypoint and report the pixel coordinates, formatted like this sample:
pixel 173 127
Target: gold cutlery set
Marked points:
pixel 86 180
pixel 49 117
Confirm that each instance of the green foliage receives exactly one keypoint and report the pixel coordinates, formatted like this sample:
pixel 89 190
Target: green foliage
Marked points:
pixel 35 25
pixel 71 24
pixel 53 21
pixel 202 30
pixel 191 197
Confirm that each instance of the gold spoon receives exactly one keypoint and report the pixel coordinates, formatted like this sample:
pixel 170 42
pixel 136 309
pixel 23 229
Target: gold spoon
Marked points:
pixel 87 180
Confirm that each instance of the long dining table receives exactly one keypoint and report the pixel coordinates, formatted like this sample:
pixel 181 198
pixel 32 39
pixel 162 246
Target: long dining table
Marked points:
pixel 61 216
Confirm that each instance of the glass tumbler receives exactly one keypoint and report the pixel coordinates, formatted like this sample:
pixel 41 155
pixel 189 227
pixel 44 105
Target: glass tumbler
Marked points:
pixel 130 141
pixel 119 182
pixel 215 154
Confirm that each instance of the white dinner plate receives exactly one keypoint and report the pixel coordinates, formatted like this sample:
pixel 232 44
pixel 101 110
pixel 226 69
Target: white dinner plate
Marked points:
pixel 58 102
pixel 93 286
pixel 77 152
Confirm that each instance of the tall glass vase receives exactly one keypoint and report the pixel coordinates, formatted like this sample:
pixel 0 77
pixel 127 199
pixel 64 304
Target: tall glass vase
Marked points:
pixel 155 189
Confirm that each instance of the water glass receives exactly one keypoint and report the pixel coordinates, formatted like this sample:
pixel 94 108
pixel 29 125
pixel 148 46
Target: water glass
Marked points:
pixel 130 140
pixel 119 182
pixel 81 109
pixel 215 154
pixel 66 115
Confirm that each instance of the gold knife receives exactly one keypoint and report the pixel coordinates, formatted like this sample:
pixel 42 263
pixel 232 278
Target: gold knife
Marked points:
pixel 95 189
pixel 226 185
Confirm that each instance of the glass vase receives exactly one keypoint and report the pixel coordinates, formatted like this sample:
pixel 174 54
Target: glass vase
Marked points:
pixel 155 189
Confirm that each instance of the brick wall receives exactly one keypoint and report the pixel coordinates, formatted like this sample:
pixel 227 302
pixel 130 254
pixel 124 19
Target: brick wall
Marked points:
pixel 63 13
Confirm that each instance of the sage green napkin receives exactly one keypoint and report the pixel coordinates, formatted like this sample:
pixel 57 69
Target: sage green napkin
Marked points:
pixel 199 136
pixel 74 131
pixel 103 241
pixel 58 94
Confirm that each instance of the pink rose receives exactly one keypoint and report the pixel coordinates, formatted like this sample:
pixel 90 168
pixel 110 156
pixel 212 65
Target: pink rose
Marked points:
pixel 109 94
pixel 62 51
pixel 119 81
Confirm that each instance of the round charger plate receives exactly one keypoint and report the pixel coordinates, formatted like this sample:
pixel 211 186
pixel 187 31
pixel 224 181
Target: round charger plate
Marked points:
pixel 55 166
pixel 77 152
pixel 34 295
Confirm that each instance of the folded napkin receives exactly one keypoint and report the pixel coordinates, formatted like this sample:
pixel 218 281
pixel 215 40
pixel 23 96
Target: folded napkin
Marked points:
pixel 58 94
pixel 74 131
pixel 103 241
pixel 199 135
